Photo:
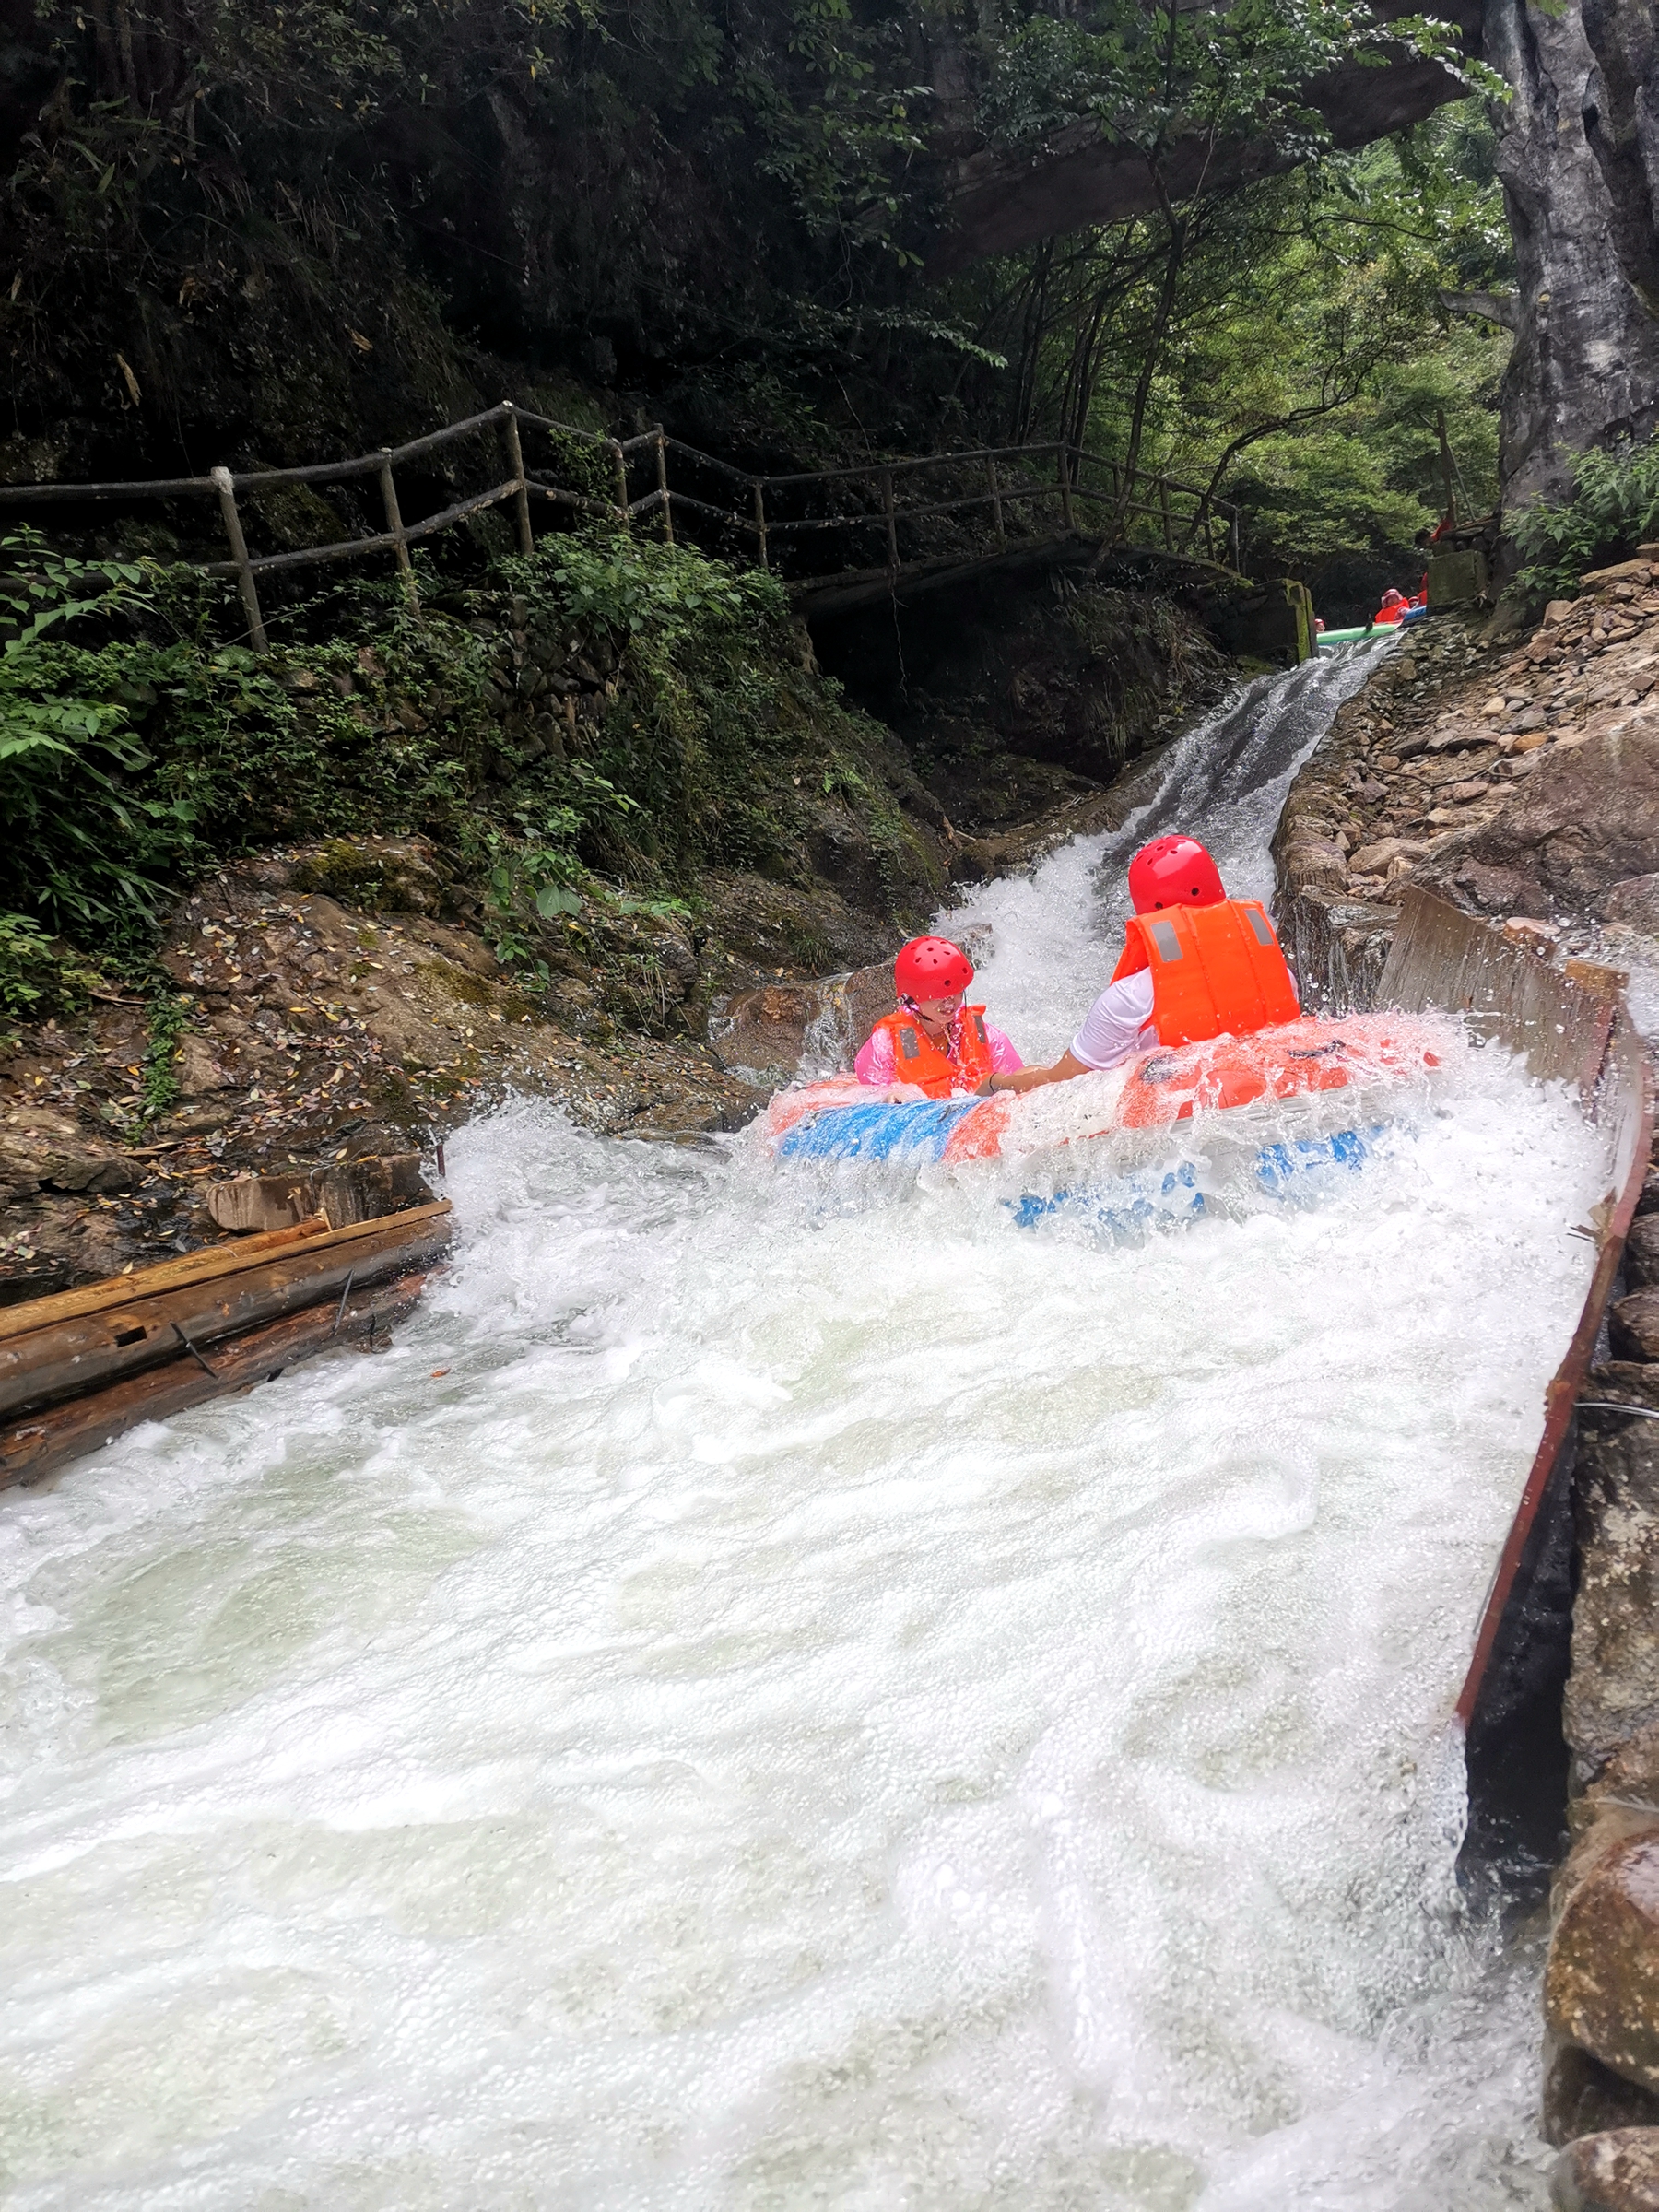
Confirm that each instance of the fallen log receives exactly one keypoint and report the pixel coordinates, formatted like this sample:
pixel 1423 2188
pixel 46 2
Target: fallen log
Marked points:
pixel 36 1446
pixel 87 1352
pixel 118 1290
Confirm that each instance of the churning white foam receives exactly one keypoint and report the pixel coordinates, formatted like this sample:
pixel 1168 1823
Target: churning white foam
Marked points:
pixel 820 1703
pixel 786 1688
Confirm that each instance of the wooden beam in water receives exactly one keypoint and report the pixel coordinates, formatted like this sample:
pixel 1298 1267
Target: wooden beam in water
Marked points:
pixel 42 1442
pixel 89 1352
pixel 194 1268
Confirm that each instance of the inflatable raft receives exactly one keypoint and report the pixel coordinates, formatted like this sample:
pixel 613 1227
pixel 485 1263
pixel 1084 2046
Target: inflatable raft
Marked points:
pixel 839 1120
pixel 1328 641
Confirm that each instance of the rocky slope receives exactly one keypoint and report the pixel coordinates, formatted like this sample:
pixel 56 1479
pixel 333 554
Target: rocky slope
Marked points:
pixel 1521 780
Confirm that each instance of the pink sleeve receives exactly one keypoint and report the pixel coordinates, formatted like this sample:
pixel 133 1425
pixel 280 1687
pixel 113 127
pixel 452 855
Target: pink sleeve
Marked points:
pixel 875 1064
pixel 1004 1058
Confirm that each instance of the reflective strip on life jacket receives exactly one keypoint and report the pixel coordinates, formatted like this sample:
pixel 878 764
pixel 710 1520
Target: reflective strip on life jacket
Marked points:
pixel 1217 971
pixel 918 1060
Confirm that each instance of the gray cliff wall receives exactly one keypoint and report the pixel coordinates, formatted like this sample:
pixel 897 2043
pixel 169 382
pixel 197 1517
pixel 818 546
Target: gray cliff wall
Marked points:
pixel 1579 156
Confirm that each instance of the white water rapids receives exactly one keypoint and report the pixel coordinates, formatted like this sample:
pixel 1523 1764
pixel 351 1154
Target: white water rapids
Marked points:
pixel 822 1701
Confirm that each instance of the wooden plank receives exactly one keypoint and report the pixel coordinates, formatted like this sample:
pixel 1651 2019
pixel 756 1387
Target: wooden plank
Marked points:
pixel 194 1268
pixel 69 1358
pixel 1442 956
pixel 42 1442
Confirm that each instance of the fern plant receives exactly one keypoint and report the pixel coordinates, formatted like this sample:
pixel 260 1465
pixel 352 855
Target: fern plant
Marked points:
pixel 1614 507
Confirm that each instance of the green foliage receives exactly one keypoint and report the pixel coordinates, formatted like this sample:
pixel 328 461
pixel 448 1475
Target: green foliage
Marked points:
pixel 1295 353
pixel 1147 75
pixel 698 750
pixel 86 841
pixel 636 585
pixel 27 967
pixel 1614 507
pixel 159 1086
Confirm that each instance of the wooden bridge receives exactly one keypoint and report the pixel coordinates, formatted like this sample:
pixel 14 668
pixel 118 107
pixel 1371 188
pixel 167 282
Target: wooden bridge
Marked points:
pixel 840 538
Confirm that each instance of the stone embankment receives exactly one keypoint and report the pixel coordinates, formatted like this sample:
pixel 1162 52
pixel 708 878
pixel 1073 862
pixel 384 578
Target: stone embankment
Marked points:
pixel 1521 780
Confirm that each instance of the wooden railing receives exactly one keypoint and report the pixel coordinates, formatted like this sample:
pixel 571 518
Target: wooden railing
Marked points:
pixel 972 505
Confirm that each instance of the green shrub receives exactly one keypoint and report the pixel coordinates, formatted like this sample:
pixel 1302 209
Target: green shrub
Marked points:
pixel 1614 507
pixel 134 754
pixel 28 968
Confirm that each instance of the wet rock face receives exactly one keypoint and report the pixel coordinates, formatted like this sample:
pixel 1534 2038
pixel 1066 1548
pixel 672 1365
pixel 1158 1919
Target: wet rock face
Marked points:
pixel 1601 1987
pixel 768 1035
pixel 815 1027
pixel 1585 824
pixel 1615 2171
pixel 1013 700
pixel 1582 2098
pixel 1578 162
pixel 1613 1689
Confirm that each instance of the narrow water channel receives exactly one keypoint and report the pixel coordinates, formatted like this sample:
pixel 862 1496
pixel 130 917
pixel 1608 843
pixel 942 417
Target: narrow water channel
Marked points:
pixel 776 1693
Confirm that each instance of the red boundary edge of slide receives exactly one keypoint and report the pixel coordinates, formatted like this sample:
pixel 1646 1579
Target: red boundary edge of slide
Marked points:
pixel 1560 1398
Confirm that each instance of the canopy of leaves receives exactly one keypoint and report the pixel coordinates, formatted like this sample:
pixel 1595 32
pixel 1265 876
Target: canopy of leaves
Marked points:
pixel 274 234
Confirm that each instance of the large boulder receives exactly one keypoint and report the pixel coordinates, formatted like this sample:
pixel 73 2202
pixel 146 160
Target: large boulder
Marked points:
pixel 809 1028
pixel 1587 819
pixel 1615 2171
pixel 42 1149
pixel 1577 156
pixel 1601 1984
pixel 1581 2097
pixel 812 1027
pixel 1633 1322
pixel 1642 1252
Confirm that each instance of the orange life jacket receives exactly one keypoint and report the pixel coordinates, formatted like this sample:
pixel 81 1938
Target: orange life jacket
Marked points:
pixel 1217 971
pixel 917 1059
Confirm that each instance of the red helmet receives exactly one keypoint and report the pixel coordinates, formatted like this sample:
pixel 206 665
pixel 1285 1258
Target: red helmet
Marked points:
pixel 931 968
pixel 1173 871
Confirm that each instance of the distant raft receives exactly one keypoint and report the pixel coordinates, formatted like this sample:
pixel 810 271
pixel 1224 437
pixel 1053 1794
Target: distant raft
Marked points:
pixel 839 1120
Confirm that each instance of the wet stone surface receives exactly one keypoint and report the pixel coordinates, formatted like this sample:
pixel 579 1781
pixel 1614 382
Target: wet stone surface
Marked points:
pixel 1617 2170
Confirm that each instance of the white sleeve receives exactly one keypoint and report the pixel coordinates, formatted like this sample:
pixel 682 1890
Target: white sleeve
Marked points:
pixel 1115 1027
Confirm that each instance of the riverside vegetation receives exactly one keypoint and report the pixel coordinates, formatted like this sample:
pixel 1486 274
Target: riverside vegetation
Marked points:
pixel 268 913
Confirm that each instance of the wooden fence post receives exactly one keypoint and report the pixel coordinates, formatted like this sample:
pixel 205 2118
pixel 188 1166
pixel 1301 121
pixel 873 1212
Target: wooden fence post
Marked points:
pixel 892 526
pixel 619 460
pixel 516 461
pixel 662 462
pixel 239 554
pixel 761 519
pixel 394 525
pixel 997 513
pixel 1066 498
